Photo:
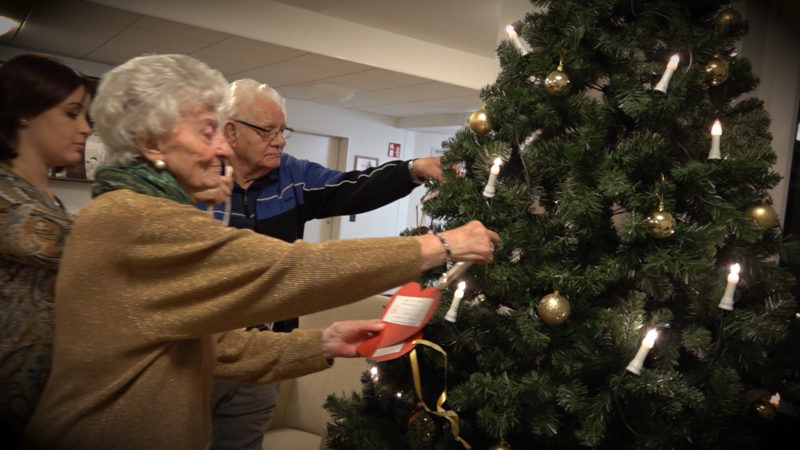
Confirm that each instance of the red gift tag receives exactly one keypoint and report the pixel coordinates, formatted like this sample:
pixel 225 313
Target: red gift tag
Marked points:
pixel 409 309
pixel 395 351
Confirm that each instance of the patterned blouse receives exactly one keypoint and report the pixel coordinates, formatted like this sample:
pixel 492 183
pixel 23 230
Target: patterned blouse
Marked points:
pixel 32 233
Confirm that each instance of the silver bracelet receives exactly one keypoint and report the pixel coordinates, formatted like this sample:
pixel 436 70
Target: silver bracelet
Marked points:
pixel 445 245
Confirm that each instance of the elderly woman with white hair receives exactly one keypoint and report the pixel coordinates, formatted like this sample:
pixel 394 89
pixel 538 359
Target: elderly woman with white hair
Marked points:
pixel 153 294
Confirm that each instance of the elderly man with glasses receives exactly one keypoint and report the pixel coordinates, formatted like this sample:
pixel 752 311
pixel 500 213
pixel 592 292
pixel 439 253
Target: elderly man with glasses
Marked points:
pixel 276 194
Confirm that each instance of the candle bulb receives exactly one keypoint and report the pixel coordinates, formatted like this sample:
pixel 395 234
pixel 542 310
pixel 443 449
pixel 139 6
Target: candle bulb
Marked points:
pixel 453 273
pixel 373 373
pixel 716 133
pixel 452 313
pixel 726 302
pixel 635 366
pixel 489 190
pixel 514 38
pixel 663 84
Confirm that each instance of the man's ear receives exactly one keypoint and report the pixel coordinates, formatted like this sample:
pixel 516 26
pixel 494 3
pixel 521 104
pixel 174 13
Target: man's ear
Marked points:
pixel 229 130
pixel 150 148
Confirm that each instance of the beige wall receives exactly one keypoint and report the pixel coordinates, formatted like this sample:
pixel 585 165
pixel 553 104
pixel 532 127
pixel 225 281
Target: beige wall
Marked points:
pixel 773 46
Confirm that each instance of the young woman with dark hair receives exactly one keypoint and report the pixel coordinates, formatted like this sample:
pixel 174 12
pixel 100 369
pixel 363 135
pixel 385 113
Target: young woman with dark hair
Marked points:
pixel 43 124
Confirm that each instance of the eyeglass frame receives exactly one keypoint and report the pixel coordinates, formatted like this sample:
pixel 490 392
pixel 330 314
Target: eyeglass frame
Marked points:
pixel 264 133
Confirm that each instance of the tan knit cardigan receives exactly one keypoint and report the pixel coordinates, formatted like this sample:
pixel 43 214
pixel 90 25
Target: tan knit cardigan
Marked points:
pixel 147 294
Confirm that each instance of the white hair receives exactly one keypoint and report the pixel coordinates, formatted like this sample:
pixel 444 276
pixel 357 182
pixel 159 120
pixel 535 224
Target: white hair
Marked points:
pixel 147 96
pixel 242 94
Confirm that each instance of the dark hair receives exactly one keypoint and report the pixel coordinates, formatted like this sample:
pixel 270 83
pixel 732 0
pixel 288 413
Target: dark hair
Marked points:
pixel 29 85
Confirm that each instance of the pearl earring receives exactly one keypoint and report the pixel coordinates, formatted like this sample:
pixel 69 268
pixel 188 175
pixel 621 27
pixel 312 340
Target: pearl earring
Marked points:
pixel 160 164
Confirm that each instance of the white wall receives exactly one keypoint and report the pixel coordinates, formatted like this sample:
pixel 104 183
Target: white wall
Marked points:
pixel 368 135
pixel 772 45
pixel 425 144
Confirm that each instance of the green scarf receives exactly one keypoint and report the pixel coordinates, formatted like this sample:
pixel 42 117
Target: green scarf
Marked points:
pixel 142 178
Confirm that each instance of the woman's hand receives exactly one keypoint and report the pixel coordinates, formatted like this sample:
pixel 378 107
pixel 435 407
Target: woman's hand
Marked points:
pixel 217 195
pixel 470 242
pixel 341 338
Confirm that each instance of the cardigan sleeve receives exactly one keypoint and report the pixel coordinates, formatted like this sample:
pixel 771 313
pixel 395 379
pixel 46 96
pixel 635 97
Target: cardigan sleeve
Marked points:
pixel 259 358
pixel 183 274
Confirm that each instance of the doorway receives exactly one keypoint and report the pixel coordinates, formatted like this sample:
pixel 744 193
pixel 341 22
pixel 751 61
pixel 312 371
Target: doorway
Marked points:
pixel 328 151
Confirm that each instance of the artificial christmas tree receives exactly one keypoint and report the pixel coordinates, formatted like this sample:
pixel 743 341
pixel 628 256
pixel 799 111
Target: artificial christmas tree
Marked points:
pixel 619 220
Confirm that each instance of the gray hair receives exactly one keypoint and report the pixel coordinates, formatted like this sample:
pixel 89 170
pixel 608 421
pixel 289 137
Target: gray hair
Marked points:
pixel 242 94
pixel 146 97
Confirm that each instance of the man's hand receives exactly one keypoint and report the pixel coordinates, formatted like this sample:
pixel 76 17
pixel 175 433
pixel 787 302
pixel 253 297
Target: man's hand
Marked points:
pixel 341 338
pixel 217 195
pixel 428 168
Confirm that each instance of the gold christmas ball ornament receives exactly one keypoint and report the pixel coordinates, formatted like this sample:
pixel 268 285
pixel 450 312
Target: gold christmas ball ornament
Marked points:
pixel 661 224
pixel 728 17
pixel 479 122
pixel 557 82
pixel 553 308
pixel 417 418
pixel 717 71
pixel 502 445
pixel 764 411
pixel 764 215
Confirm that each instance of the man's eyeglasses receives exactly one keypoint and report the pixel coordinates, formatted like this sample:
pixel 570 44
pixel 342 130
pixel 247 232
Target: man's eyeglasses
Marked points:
pixel 267 134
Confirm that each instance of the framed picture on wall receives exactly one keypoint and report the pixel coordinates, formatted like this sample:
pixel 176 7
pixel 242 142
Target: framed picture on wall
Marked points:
pixel 365 162
pixel 84 170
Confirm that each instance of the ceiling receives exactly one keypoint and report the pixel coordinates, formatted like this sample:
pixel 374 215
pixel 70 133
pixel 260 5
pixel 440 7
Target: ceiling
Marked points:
pixel 107 34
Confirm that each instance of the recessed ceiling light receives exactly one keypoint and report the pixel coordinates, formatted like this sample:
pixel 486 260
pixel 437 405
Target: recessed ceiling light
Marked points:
pixel 333 93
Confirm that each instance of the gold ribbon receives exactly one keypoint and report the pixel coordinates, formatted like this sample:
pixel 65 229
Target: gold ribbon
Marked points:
pixel 451 416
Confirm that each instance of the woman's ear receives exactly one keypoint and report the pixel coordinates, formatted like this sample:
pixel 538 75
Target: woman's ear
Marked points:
pixel 151 151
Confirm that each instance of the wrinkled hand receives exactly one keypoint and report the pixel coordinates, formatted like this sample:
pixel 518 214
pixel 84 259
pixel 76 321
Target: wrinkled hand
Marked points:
pixel 429 168
pixel 341 338
pixel 471 242
pixel 217 195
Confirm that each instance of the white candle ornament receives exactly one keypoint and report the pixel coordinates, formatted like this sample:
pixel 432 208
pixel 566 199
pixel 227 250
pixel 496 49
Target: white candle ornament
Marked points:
pixel 489 190
pixel 635 366
pixel 452 313
pixel 716 133
pixel 726 302
pixel 663 84
pixel 373 373
pixel 514 38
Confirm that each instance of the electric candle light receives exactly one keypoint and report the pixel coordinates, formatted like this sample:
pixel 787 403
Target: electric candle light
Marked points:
pixel 452 313
pixel 373 373
pixel 514 38
pixel 489 190
pixel 663 84
pixel 635 366
pixel 727 298
pixel 716 132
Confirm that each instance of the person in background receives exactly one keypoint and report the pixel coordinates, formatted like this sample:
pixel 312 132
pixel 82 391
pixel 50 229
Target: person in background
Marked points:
pixel 43 125
pixel 154 295
pixel 276 194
